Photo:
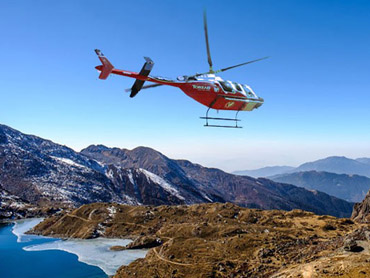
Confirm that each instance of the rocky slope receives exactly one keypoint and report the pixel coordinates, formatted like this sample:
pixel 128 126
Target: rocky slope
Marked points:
pixel 13 207
pixel 223 240
pixel 352 188
pixel 361 211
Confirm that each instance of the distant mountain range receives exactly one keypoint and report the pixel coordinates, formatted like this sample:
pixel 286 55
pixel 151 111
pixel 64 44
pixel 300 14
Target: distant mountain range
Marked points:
pixel 42 172
pixel 333 164
pixel 352 188
pixel 265 171
pixel 338 176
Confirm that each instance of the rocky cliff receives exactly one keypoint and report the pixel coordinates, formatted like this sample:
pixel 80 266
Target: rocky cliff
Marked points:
pixel 361 211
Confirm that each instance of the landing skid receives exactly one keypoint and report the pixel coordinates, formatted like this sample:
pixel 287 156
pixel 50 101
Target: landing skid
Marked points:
pixel 236 120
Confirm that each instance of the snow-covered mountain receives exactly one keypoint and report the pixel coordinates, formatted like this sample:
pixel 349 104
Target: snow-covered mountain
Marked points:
pixel 42 172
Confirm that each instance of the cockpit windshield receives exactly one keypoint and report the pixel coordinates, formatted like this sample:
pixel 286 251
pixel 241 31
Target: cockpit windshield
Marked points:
pixel 249 91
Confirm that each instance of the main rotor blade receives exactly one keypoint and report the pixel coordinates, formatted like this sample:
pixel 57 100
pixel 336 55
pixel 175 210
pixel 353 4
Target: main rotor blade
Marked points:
pixel 225 69
pixel 146 87
pixel 239 65
pixel 207 42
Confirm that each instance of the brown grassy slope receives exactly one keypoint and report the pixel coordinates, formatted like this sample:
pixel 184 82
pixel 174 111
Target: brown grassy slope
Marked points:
pixel 222 240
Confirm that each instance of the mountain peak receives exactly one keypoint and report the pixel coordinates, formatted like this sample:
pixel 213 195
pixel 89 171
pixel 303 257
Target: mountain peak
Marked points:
pixel 95 148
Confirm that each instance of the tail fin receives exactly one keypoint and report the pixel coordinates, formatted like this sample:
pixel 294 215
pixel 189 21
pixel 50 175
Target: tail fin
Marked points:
pixel 107 66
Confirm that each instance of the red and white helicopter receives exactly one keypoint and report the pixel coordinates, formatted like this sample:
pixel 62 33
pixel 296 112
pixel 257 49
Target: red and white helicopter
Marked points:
pixel 206 88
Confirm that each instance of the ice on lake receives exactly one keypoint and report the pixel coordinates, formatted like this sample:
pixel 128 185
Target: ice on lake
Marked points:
pixel 94 252
pixel 22 226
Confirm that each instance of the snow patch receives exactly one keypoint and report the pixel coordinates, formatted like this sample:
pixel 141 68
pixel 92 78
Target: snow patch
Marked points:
pixel 109 174
pixel 209 199
pixel 130 177
pixel 112 211
pixel 68 161
pixel 162 183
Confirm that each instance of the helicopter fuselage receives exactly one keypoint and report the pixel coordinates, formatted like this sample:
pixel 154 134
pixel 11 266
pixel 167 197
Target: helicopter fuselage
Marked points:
pixel 209 90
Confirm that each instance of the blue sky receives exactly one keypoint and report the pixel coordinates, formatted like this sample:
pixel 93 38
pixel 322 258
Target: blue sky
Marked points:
pixel 316 84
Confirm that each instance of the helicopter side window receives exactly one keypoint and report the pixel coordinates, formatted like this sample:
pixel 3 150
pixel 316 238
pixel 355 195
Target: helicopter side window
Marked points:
pixel 237 86
pixel 226 86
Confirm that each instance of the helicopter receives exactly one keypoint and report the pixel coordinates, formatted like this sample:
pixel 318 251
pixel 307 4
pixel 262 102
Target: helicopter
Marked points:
pixel 206 88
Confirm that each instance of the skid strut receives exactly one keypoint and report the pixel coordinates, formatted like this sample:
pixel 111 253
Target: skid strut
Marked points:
pixel 236 120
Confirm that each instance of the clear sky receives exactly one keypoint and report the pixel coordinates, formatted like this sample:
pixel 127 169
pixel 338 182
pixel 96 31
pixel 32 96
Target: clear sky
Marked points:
pixel 316 85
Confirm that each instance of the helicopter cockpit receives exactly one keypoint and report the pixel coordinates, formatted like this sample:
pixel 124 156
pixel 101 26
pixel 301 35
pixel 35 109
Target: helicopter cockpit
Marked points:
pixel 230 87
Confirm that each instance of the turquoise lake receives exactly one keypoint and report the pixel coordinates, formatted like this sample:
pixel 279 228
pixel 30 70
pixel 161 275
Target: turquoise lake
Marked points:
pixel 24 256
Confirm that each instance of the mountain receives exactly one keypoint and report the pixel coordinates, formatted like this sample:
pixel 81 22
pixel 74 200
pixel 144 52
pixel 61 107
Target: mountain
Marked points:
pixel 40 171
pixel 216 185
pixel 265 171
pixel 361 211
pixel 44 173
pixel 332 164
pixel 338 165
pixel 352 188
pixel 364 160
pixel 154 162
